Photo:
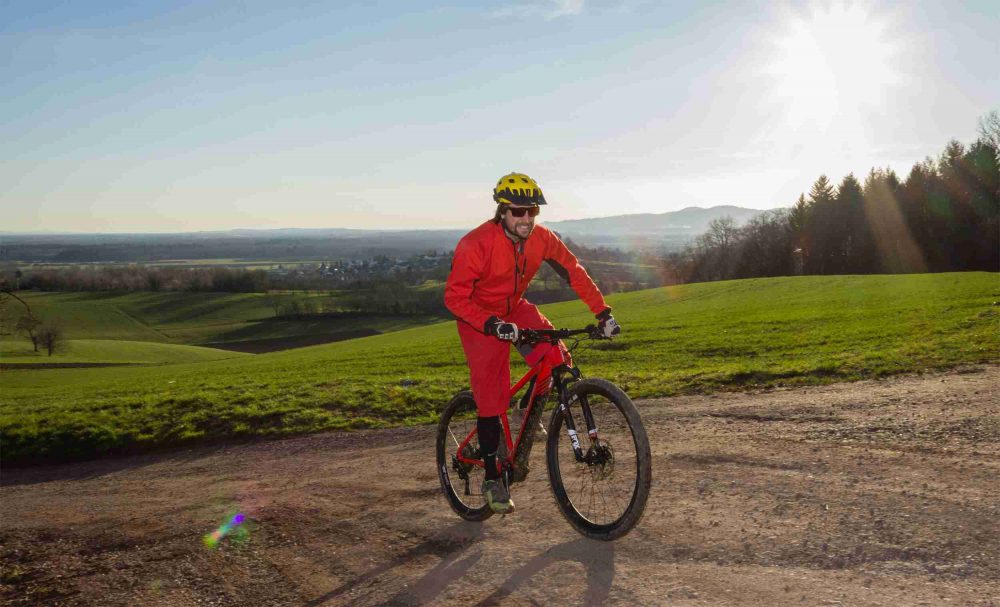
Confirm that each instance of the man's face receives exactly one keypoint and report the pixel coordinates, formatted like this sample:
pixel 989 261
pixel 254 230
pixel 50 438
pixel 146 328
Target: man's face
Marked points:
pixel 521 226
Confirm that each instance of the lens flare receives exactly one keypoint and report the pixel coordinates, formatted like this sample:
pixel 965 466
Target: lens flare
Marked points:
pixel 836 62
pixel 234 524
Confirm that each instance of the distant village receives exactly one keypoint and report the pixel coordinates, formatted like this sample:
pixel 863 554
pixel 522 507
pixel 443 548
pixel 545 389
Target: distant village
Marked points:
pixel 415 268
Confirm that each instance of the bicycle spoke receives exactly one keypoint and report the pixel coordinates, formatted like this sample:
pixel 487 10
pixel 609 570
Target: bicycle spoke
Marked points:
pixel 602 491
pixel 465 478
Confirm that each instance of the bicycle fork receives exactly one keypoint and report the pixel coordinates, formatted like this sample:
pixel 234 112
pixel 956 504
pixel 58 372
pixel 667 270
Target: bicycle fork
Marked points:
pixel 588 418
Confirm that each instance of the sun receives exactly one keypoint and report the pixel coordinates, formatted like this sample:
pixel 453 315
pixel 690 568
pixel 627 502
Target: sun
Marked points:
pixel 835 62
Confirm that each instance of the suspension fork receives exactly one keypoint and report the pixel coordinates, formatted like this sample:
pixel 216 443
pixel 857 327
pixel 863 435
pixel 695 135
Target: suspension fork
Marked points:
pixel 562 388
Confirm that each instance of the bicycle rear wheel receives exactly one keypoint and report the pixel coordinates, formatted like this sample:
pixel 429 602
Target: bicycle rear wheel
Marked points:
pixel 461 482
pixel 603 497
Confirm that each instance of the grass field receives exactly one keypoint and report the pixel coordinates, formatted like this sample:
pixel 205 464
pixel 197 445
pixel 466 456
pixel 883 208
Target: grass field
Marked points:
pixel 113 351
pixel 187 318
pixel 703 337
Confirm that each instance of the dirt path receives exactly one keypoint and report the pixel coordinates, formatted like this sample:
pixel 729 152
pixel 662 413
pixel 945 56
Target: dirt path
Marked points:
pixel 872 493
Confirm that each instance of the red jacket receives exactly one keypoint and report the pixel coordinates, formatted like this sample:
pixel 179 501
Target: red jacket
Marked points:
pixel 490 272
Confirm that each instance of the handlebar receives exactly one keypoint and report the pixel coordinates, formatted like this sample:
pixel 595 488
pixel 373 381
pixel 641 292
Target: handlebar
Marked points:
pixel 534 336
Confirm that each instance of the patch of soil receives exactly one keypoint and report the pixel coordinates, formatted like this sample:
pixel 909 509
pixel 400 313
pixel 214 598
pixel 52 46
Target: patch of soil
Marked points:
pixel 870 493
pixel 261 346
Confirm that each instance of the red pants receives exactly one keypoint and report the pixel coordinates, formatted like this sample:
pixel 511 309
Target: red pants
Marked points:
pixel 489 358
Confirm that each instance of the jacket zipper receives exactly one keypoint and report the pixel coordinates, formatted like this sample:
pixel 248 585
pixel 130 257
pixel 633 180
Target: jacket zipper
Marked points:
pixel 515 276
pixel 517 271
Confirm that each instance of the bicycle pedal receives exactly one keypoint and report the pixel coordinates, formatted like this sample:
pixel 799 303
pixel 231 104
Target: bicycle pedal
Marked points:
pixel 542 428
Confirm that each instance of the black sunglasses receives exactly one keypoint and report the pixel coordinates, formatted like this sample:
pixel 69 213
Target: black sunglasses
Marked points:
pixel 520 211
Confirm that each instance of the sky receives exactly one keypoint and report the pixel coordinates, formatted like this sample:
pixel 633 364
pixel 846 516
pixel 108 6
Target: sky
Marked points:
pixel 187 116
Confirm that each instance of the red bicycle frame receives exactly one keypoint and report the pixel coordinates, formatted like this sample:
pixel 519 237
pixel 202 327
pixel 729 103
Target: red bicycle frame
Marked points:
pixel 542 368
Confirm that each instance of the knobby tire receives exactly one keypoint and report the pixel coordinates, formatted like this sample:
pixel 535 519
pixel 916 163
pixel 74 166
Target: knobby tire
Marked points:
pixel 570 480
pixel 469 507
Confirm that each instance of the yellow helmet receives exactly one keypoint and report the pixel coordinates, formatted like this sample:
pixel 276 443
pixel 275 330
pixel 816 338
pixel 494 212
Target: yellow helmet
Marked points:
pixel 518 189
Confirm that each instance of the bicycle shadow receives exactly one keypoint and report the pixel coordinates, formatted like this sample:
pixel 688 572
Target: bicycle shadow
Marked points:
pixel 597 557
pixel 450 544
pixel 453 546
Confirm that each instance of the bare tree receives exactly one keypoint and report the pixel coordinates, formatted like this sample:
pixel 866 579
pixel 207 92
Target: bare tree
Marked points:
pixel 7 296
pixel 29 326
pixel 989 128
pixel 722 232
pixel 52 337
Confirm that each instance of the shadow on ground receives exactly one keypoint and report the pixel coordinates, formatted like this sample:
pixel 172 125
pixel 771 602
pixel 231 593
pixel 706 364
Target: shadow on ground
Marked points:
pixel 460 549
pixel 452 545
pixel 598 558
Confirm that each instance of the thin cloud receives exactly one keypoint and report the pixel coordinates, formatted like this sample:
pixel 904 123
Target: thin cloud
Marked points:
pixel 550 9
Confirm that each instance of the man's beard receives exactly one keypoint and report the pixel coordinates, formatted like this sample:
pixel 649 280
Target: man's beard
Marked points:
pixel 515 233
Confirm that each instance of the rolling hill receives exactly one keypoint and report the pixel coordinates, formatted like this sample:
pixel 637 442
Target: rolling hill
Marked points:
pixel 689 338
pixel 226 320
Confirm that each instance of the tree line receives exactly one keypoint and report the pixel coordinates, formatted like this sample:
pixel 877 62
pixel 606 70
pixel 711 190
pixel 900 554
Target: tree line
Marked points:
pixel 943 217
pixel 137 277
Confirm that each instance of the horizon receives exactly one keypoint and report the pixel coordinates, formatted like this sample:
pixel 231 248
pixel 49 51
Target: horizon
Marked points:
pixel 320 229
pixel 160 118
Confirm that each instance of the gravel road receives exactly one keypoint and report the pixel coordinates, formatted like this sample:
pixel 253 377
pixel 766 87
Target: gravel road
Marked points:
pixel 869 493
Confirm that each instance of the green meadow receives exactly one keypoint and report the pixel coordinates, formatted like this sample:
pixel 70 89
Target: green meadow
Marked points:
pixel 177 318
pixel 728 335
pixel 115 352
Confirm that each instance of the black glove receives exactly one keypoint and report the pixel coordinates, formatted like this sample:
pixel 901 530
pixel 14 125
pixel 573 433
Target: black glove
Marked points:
pixel 608 326
pixel 506 331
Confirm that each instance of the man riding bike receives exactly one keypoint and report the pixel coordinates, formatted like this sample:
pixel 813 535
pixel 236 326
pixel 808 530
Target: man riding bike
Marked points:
pixel 492 268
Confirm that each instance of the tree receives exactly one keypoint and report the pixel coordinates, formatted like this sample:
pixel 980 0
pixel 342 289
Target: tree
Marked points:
pixel 7 296
pixel 51 336
pixel 891 219
pixel 856 251
pixel 821 191
pixel 822 234
pixel 29 326
pixel 722 232
pixel 798 223
pixel 714 254
pixel 981 170
pixel 799 214
pixel 989 129
pixel 766 245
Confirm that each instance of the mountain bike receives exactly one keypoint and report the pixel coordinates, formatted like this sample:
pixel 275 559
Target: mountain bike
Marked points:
pixel 600 483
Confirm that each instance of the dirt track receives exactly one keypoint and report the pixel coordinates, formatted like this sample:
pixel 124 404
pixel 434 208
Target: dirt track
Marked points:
pixel 872 493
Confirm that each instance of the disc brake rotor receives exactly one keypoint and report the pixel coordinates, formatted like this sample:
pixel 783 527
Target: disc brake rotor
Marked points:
pixel 601 458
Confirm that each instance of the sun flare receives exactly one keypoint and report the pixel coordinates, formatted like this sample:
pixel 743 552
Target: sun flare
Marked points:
pixel 832 63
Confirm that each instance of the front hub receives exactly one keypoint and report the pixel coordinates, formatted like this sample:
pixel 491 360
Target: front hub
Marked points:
pixel 600 460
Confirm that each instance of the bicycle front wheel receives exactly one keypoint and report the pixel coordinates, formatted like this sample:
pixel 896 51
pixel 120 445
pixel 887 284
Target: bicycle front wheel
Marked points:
pixel 461 481
pixel 604 495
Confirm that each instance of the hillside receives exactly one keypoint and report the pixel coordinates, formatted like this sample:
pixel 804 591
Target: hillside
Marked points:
pixel 689 338
pixel 669 230
pixel 110 351
pixel 226 320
